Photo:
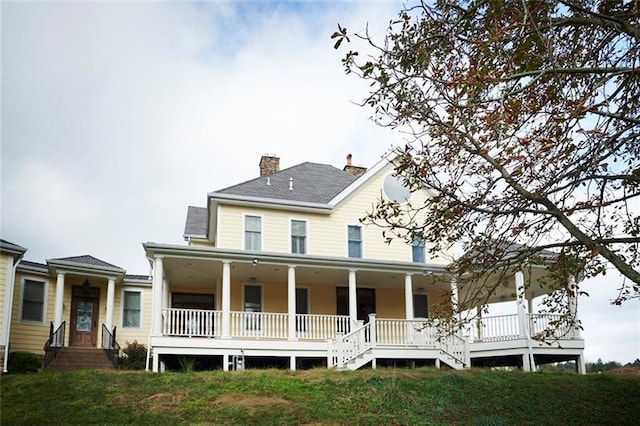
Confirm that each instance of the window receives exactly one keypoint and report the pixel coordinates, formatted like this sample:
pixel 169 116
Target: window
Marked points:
pixel 355 241
pixel 131 309
pixel 252 233
pixel 33 301
pixel 420 306
pixel 253 303
pixel 298 236
pixel 302 308
pixel 417 251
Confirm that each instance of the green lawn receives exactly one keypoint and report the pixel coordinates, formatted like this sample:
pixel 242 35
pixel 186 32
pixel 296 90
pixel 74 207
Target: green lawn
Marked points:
pixel 369 397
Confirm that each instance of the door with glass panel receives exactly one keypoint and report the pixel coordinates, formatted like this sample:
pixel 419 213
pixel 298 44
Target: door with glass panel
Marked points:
pixel 84 316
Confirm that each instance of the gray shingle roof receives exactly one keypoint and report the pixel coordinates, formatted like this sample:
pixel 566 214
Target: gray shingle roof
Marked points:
pixel 137 277
pixel 9 246
pixel 33 265
pixel 312 183
pixel 85 260
pixel 196 225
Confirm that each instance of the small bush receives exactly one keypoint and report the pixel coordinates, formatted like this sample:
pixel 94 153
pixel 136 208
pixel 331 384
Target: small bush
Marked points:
pixel 24 362
pixel 135 356
pixel 187 364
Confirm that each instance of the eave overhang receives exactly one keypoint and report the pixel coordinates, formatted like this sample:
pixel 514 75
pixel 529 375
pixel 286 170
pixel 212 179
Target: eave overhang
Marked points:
pixel 61 266
pixel 214 253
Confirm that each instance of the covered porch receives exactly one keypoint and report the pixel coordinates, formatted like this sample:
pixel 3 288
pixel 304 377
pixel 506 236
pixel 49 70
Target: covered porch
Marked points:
pixel 229 303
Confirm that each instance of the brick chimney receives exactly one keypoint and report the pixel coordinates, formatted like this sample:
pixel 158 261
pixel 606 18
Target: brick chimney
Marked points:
pixel 357 171
pixel 269 164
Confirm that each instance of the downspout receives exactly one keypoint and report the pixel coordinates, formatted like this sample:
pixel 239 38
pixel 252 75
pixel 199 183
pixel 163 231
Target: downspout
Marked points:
pixel 9 312
pixel 146 368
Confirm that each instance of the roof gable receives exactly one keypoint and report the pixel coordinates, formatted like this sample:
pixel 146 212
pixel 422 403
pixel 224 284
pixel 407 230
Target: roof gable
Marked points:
pixel 306 183
pixel 196 224
pixel 9 247
pixel 84 260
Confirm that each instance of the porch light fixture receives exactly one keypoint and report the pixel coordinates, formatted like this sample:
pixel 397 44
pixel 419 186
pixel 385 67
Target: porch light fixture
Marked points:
pixel 86 283
pixel 254 262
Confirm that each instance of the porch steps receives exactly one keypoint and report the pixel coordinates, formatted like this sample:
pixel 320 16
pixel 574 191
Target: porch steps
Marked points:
pixel 451 362
pixel 359 361
pixel 80 359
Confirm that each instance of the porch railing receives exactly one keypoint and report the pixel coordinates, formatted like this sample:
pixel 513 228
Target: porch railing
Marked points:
pixel 321 327
pixel 110 345
pixel 540 323
pixel 259 324
pixel 400 332
pixel 495 328
pixel 191 322
pixel 204 323
pixel 345 348
pixel 502 328
pixel 54 344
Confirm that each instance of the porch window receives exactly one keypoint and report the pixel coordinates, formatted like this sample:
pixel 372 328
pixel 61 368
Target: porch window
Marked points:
pixel 420 306
pixel 302 307
pixel 33 301
pixel 253 303
pixel 253 233
pixel 131 309
pixel 355 241
pixel 417 251
pixel 298 236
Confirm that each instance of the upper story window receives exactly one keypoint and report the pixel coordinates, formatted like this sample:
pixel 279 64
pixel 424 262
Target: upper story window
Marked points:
pixel 33 295
pixel 131 309
pixel 253 233
pixel 299 236
pixel 417 251
pixel 355 240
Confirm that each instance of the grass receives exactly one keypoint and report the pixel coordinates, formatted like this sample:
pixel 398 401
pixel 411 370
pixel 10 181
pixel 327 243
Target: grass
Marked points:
pixel 270 397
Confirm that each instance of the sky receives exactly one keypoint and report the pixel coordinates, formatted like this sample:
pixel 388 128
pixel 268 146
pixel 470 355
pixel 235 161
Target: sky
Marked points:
pixel 118 115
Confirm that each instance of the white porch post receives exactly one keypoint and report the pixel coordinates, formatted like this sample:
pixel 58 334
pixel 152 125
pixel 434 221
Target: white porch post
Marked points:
pixel 226 298
pixel 572 295
pixel 111 292
pixel 8 307
pixel 218 306
pixel 454 296
pixel 165 294
pixel 156 294
pixel 57 316
pixel 408 296
pixel 528 362
pixel 520 303
pixel 353 297
pixel 291 298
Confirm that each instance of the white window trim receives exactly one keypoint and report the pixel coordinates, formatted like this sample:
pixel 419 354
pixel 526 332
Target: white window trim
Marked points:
pixel 424 252
pixel 244 286
pixel 44 301
pixel 132 289
pixel 428 304
pixel 308 298
pixel 244 230
pixel 346 229
pixel 306 239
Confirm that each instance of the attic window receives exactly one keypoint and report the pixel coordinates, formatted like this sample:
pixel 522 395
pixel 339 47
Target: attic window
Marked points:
pixel 395 190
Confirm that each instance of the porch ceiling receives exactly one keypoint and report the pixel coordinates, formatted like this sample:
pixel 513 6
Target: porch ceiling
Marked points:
pixel 204 273
pixel 503 286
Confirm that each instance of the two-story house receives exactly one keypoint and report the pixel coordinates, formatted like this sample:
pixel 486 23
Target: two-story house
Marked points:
pixel 277 270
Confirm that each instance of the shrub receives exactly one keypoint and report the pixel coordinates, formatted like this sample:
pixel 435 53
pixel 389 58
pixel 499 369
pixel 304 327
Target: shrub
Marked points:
pixel 187 364
pixel 24 362
pixel 135 356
